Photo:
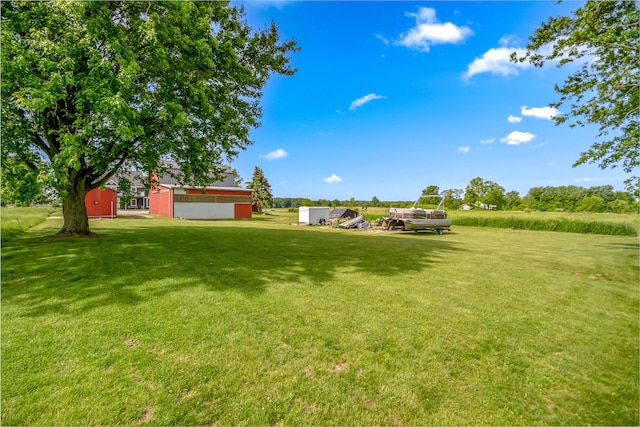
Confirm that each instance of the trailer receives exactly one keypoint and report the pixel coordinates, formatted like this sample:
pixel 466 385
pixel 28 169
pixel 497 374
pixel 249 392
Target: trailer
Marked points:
pixel 416 218
pixel 313 215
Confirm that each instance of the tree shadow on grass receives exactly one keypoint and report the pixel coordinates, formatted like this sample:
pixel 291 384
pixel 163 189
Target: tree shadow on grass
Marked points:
pixel 131 264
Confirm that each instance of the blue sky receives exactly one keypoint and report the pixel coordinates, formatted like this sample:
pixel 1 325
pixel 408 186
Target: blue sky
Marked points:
pixel 391 97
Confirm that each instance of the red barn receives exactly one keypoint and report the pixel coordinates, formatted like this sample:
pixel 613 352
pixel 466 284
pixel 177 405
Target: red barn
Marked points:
pixel 101 203
pixel 176 201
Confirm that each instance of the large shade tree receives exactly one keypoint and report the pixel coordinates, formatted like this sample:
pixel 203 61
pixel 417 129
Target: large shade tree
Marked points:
pixel 94 88
pixel 604 36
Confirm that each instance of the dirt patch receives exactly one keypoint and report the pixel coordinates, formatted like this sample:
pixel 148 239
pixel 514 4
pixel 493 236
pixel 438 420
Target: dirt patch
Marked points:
pixel 340 367
pixel 147 416
pixel 131 342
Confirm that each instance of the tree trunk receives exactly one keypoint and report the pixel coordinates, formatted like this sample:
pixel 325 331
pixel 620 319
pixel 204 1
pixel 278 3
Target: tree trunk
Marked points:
pixel 76 222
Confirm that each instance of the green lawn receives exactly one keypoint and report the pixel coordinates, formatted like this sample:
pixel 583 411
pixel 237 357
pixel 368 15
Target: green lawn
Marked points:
pixel 17 220
pixel 167 322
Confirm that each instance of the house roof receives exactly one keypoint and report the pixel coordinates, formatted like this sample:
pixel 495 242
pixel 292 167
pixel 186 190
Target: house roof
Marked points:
pixel 340 212
pixel 173 173
pixel 138 178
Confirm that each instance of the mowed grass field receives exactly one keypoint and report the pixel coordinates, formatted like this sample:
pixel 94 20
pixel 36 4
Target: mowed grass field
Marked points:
pixel 164 322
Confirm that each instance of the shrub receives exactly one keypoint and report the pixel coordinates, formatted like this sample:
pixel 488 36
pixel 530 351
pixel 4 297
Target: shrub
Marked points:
pixel 591 204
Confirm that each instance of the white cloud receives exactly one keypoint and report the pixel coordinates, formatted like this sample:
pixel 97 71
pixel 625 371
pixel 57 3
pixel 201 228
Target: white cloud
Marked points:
pixel 497 61
pixel 487 141
pixel 509 39
pixel 464 149
pixel 361 101
pixel 428 31
pixel 514 119
pixel 586 179
pixel 332 179
pixel 276 154
pixel 325 133
pixel 517 138
pixel 540 112
pixel 382 38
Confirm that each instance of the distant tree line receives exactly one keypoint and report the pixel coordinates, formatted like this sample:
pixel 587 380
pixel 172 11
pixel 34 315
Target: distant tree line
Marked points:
pixel 575 199
pixel 485 194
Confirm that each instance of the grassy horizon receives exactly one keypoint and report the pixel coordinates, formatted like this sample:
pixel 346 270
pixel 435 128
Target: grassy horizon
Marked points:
pixel 165 322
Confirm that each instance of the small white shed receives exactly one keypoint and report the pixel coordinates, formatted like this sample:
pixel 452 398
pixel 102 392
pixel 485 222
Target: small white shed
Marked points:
pixel 313 214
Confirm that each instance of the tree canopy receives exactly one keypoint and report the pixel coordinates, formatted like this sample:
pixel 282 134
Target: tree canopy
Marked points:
pixel 604 36
pixel 479 191
pixel 94 88
pixel 19 183
pixel 431 190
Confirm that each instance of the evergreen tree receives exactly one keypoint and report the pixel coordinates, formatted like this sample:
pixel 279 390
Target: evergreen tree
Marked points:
pixel 261 196
pixel 237 179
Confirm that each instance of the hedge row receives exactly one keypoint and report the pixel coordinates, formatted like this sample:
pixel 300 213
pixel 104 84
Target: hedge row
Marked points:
pixel 561 224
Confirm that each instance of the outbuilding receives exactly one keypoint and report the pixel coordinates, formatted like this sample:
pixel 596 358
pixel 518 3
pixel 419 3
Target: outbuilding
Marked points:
pixel 101 203
pixel 344 213
pixel 176 201
pixel 313 214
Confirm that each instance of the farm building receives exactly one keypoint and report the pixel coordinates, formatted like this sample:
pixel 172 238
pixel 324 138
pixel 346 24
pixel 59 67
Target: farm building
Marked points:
pixel 139 196
pixel 343 213
pixel 313 215
pixel 101 203
pixel 176 201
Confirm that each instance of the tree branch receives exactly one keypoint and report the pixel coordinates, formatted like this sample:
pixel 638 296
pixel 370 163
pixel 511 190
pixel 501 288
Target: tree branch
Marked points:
pixel 49 150
pixel 100 180
pixel 619 45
